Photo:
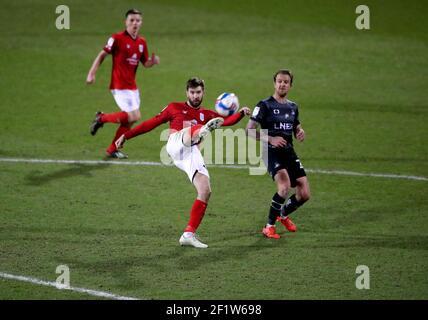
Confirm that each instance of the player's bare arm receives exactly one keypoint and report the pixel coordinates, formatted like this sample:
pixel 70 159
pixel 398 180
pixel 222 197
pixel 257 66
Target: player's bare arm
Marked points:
pixel 300 133
pixel 256 134
pixel 90 79
pixel 153 60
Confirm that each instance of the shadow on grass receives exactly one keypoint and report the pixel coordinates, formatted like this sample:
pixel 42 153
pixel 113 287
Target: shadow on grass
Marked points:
pixel 36 178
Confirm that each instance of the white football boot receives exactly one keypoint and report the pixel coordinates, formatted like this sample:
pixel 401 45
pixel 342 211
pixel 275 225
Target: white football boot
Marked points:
pixel 191 240
pixel 210 126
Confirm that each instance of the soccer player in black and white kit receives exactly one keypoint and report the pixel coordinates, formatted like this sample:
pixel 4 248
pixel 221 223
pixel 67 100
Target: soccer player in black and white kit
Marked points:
pixel 280 117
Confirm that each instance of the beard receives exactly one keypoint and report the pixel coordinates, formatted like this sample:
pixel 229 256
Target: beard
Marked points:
pixel 195 103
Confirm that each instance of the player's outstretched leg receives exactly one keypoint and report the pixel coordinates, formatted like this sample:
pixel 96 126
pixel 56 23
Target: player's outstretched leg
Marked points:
pixel 96 123
pixel 197 133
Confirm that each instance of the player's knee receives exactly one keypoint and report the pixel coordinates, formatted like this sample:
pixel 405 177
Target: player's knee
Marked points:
pixel 304 196
pixel 204 194
pixel 134 116
pixel 283 190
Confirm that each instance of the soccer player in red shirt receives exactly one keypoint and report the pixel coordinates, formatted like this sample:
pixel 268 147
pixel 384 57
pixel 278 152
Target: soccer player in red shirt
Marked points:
pixel 127 49
pixel 189 123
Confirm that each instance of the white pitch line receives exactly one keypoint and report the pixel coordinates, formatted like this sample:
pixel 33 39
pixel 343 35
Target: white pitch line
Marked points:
pixel 149 163
pixel 58 286
pixel 377 175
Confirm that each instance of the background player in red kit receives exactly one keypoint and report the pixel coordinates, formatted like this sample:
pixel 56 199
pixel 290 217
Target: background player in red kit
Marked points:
pixel 189 123
pixel 127 49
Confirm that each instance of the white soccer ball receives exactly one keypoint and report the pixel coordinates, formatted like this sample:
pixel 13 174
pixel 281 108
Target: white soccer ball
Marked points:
pixel 227 104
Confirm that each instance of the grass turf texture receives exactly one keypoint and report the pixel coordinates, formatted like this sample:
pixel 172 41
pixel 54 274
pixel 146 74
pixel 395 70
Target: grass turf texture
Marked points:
pixel 362 103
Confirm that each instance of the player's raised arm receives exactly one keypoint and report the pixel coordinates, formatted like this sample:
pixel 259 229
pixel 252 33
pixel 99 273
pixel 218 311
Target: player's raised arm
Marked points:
pixel 90 79
pixel 235 118
pixel 144 127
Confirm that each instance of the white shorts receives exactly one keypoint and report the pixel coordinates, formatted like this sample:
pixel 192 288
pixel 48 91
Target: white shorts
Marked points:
pixel 127 100
pixel 188 159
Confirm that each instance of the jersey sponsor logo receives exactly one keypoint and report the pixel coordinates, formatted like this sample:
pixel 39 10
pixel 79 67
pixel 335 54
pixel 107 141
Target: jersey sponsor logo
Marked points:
pixel 283 126
pixel 276 111
pixel 133 60
pixel 256 111
pixel 141 48
pixel 201 116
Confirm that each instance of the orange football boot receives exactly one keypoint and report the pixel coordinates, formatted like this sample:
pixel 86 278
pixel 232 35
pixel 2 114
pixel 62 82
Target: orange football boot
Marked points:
pixel 270 232
pixel 287 223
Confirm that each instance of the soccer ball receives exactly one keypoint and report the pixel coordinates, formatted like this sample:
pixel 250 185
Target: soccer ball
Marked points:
pixel 227 104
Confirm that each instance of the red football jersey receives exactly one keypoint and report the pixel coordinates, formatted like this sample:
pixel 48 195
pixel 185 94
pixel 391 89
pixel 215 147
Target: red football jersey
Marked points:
pixel 181 115
pixel 127 53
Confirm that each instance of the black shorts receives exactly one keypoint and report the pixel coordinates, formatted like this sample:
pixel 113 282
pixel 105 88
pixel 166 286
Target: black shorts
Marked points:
pixel 285 158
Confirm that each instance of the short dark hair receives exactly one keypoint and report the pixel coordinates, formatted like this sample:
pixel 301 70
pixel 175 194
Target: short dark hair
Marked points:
pixel 195 82
pixel 133 11
pixel 284 71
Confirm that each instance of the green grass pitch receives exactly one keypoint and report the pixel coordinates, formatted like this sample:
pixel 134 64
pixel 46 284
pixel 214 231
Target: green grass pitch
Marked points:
pixel 362 98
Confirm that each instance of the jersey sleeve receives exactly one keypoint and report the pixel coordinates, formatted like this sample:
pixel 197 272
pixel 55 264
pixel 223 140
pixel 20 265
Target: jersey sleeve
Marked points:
pixel 110 45
pixel 296 119
pixel 145 54
pixel 228 120
pixel 150 124
pixel 233 119
pixel 259 112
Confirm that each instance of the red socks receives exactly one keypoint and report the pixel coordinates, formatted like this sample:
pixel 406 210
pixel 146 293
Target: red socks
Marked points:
pixel 196 215
pixel 121 130
pixel 116 117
